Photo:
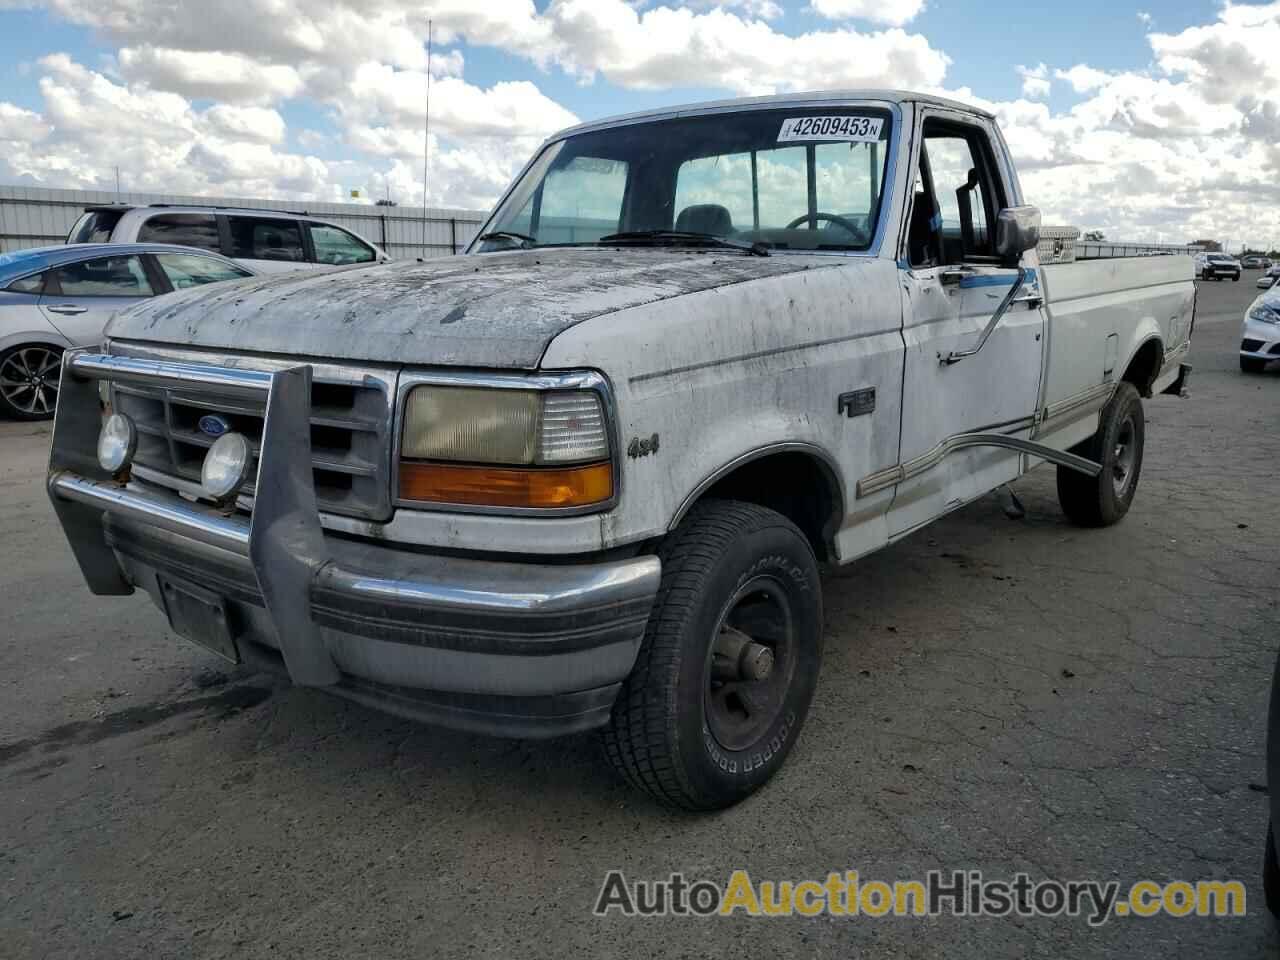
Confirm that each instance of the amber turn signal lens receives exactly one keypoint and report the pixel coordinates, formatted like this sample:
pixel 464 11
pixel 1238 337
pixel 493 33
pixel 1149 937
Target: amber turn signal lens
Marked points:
pixel 506 487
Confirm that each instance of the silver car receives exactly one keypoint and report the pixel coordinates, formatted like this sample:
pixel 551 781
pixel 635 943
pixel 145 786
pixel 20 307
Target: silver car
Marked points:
pixel 54 298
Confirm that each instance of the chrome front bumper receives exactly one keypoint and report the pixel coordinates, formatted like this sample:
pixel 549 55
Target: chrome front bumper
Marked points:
pixel 486 645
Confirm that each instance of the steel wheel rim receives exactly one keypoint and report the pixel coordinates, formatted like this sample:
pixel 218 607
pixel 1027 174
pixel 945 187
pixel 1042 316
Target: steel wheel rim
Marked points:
pixel 29 379
pixel 739 712
pixel 1124 455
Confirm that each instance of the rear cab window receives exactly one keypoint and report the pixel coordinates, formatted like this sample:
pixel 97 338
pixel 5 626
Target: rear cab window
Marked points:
pixel 199 230
pixel 262 238
pixel 94 226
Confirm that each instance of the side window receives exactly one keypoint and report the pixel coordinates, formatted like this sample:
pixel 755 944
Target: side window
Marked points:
pixel 962 184
pixel 32 284
pixel 333 245
pixel 188 270
pixel 104 277
pixel 94 226
pixel 185 229
pixel 254 238
pixel 580 202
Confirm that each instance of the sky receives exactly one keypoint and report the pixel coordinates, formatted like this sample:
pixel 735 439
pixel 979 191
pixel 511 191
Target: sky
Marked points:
pixel 1154 120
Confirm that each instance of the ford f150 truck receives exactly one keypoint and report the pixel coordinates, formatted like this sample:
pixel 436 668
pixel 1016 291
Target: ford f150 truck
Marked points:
pixel 583 476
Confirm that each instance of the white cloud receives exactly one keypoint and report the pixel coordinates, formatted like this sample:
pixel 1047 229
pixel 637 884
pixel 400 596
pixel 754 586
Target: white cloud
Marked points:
pixel 763 9
pixel 254 124
pixel 667 47
pixel 91 124
pixel 19 125
pixel 206 73
pixel 1145 18
pixel 1083 78
pixel 894 12
pixel 1035 81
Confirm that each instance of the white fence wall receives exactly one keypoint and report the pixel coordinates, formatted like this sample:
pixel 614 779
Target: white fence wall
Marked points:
pixel 37 217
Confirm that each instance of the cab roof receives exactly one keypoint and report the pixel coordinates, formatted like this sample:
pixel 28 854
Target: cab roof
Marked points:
pixel 808 99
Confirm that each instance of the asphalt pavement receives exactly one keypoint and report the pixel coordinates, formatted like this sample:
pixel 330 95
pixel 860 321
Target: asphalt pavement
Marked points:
pixel 998 695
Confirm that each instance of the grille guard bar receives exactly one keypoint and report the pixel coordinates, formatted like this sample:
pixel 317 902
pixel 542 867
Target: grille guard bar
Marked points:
pixel 284 539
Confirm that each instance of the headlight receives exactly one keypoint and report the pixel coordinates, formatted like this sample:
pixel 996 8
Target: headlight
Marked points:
pixel 500 447
pixel 1265 313
pixel 117 443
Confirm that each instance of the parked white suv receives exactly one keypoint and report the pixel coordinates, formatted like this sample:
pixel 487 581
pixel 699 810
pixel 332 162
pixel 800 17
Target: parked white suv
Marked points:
pixel 267 241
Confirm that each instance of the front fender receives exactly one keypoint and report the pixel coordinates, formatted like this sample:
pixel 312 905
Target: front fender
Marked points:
pixel 46 335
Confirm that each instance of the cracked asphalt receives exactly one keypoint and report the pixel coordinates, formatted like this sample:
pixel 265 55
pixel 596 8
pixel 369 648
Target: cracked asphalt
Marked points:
pixel 997 695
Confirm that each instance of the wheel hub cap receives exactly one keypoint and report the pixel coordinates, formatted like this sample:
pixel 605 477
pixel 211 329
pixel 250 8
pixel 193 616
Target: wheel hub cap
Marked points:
pixel 750 664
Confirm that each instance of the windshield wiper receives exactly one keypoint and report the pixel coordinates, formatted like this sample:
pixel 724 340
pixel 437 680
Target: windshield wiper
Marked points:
pixel 509 235
pixel 674 237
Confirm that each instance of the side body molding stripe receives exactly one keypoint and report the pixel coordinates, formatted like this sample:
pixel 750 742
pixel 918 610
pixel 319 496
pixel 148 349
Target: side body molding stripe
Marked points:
pixel 912 468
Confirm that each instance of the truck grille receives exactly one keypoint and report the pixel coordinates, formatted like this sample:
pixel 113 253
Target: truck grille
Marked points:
pixel 350 430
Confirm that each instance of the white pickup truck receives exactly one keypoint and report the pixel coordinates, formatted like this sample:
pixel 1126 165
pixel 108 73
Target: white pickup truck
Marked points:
pixel 583 476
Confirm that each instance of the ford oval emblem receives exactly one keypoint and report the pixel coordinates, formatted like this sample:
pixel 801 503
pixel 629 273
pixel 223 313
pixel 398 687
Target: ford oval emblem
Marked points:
pixel 213 425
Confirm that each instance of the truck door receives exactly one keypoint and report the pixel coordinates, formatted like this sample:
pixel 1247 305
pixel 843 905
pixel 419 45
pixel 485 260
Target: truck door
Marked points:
pixel 954 286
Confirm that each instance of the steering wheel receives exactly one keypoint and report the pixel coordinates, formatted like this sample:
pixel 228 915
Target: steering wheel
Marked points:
pixel 814 218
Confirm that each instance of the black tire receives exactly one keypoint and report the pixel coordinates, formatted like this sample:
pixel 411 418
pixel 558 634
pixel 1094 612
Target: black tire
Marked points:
pixel 676 732
pixel 1236 278
pixel 19 401
pixel 1103 500
pixel 1271 874
pixel 1252 364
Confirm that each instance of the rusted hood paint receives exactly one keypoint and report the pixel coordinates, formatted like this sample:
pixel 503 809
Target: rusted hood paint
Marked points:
pixel 493 310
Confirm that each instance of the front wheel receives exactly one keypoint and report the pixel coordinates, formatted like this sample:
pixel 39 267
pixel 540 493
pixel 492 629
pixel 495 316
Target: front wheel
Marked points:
pixel 1252 364
pixel 729 661
pixel 1103 500
pixel 29 378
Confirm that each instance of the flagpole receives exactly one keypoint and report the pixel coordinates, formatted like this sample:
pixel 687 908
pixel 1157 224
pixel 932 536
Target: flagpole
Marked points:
pixel 426 143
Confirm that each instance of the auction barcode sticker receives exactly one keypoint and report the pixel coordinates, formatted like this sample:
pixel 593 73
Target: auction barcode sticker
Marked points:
pixel 842 129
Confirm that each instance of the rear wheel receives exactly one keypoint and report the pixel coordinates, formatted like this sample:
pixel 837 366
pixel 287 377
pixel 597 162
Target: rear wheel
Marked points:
pixel 29 377
pixel 1252 364
pixel 729 661
pixel 1103 500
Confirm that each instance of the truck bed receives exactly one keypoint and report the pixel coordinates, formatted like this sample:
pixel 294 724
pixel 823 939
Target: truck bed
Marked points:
pixel 1100 312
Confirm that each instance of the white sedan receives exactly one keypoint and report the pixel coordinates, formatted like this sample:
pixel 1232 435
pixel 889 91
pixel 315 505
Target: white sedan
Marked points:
pixel 1260 342
pixel 1269 277
pixel 55 298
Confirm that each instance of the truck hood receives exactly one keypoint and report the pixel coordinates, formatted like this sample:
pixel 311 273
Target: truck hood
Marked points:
pixel 488 310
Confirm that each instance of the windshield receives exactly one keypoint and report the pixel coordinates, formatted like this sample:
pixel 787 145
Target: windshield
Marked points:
pixel 791 179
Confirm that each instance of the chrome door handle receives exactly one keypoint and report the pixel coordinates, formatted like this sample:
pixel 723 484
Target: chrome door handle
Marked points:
pixel 955 274
pixel 1034 299
pixel 68 309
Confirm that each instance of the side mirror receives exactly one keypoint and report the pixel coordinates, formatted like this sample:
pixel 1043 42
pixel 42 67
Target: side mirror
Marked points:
pixel 1017 231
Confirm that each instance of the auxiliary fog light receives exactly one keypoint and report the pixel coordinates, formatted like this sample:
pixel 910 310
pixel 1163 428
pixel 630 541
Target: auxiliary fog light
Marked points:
pixel 117 443
pixel 226 466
